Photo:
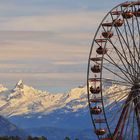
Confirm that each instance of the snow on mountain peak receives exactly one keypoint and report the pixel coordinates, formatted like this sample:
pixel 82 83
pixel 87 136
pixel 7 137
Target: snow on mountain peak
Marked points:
pixel 19 85
pixel 2 88
pixel 27 100
pixel 118 90
pixel 20 82
pixel 77 94
pixel 24 99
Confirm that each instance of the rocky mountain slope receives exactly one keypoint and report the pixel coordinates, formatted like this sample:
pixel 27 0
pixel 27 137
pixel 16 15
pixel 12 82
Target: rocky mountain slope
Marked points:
pixel 9 129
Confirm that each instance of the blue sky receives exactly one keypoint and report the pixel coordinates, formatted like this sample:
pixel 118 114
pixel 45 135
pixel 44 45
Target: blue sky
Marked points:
pixel 46 42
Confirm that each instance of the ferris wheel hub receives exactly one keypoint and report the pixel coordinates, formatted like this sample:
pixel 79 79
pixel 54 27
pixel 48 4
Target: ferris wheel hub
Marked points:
pixel 136 86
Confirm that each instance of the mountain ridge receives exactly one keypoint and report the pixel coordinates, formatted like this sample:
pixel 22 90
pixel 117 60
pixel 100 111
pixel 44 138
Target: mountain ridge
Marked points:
pixel 33 109
pixel 18 100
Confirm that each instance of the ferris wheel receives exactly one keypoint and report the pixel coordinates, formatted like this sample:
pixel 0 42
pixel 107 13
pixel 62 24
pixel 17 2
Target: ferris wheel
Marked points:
pixel 113 77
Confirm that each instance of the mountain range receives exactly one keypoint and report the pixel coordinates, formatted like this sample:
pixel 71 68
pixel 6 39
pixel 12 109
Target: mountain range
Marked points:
pixel 52 115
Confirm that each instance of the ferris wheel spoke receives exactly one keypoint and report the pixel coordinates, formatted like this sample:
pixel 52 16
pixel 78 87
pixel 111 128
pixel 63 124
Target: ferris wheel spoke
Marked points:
pixel 137 21
pixel 115 94
pixel 122 118
pixel 116 101
pixel 120 92
pixel 130 101
pixel 121 56
pixel 124 51
pixel 125 72
pixel 135 50
pixel 126 43
pixel 111 81
pixel 133 126
pixel 137 111
pixel 117 75
pixel 134 44
pixel 122 125
pixel 132 34
pixel 112 105
pixel 127 130
pixel 124 58
pixel 119 99
pixel 112 118
pixel 128 123
pixel 128 47
pixel 138 119
pixel 119 110
pixel 117 82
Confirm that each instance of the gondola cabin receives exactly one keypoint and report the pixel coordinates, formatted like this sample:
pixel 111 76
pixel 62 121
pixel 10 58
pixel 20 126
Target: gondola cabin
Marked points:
pixel 100 132
pixel 118 23
pixel 127 15
pixel 96 110
pixel 101 50
pixel 107 34
pixel 95 90
pixel 96 69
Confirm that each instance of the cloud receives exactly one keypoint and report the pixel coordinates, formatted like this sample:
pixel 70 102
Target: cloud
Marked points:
pixel 71 63
pixel 30 55
pixel 47 42
pixel 66 22
pixel 43 45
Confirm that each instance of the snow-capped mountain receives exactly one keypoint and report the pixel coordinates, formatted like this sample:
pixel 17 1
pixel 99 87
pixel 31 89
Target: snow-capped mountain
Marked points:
pixel 35 110
pixel 32 109
pixel 24 100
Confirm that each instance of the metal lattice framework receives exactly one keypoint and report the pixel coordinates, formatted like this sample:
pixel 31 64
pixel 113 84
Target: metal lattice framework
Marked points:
pixel 113 77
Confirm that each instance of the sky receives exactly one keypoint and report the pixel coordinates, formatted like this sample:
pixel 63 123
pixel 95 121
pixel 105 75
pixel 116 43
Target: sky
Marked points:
pixel 46 43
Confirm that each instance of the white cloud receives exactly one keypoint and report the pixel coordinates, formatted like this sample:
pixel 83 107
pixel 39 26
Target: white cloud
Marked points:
pixel 71 21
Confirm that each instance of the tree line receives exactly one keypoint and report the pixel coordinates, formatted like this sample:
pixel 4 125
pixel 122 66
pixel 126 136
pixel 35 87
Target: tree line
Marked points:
pixel 18 138
pixel 28 138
